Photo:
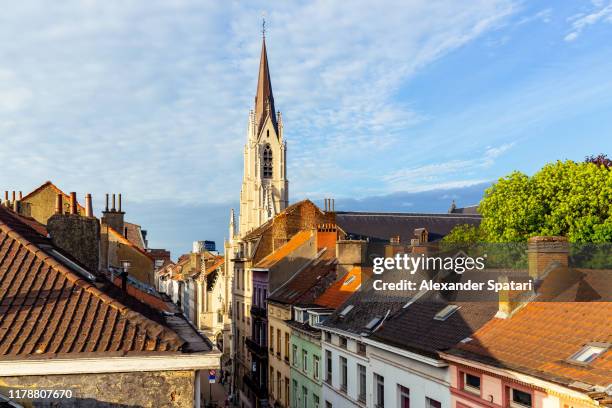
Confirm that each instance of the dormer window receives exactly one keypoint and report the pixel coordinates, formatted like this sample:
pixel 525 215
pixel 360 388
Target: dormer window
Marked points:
pixel 267 162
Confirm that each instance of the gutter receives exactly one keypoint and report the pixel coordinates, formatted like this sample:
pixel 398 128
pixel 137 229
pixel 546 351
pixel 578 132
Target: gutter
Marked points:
pixel 179 362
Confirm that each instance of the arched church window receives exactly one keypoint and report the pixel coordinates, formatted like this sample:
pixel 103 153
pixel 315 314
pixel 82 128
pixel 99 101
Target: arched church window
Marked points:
pixel 267 162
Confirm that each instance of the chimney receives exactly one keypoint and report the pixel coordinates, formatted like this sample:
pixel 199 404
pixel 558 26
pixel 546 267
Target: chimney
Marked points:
pixel 350 253
pixel 78 236
pixel 544 253
pixel 20 196
pixel 6 198
pixel 114 218
pixel 88 206
pixel 73 204
pixel 326 237
pixel 59 205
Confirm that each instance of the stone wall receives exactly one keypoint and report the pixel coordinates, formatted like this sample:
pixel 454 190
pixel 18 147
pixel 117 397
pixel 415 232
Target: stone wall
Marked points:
pixel 144 389
pixel 79 236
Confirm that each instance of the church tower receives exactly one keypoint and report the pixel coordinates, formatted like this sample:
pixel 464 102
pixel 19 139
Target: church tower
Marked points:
pixel 264 191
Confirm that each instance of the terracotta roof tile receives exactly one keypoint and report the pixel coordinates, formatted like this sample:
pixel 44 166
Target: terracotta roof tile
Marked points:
pixel 295 242
pixel 308 283
pixel 46 308
pixel 541 337
pixel 341 290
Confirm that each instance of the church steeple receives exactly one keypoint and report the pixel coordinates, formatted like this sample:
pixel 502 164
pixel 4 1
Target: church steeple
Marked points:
pixel 264 100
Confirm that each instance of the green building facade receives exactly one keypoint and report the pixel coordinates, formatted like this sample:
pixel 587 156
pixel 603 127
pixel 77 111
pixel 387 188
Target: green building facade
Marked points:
pixel 306 366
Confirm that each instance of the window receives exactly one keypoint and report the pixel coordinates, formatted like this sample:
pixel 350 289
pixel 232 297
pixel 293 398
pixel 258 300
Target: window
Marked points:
pixel 304 397
pixel 519 399
pixel 315 367
pixel 278 385
pixel 446 312
pixel 271 378
pixel 346 310
pixel 343 374
pixel 315 400
pixel 267 162
pixel 404 396
pixel 361 374
pixel 304 360
pixel 588 353
pixel 219 316
pixel 431 403
pixel 361 348
pixel 286 391
pixel 295 393
pixel 287 347
pixel 471 383
pixel 328 366
pixel 328 337
pixel 343 342
pixel 379 390
pixel 295 357
pixel 328 404
pixel 372 323
pixel 278 342
pixel 271 339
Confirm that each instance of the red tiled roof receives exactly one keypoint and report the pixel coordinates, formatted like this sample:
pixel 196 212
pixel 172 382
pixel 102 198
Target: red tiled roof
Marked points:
pixel 295 242
pixel 47 308
pixel 541 337
pixel 308 283
pixel 217 262
pixel 341 290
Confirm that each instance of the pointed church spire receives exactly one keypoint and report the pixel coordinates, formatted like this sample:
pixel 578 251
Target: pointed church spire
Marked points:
pixel 264 100
pixel 232 225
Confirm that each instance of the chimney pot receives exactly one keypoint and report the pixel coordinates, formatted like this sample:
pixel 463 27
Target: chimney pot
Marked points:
pixel 106 209
pixel 73 203
pixel 119 202
pixel 113 209
pixel 58 203
pixel 13 197
pixel 88 206
pixel 6 197
pixel 20 196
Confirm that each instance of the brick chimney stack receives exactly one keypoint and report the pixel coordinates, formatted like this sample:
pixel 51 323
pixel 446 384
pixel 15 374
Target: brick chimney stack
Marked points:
pixel 59 204
pixel 114 217
pixel 78 236
pixel 350 253
pixel 88 206
pixel 545 253
pixel 73 203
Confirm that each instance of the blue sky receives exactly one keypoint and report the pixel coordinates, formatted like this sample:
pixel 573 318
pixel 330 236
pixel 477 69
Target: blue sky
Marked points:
pixel 398 106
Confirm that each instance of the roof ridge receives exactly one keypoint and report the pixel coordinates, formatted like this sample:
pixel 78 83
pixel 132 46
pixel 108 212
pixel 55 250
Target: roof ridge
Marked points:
pixel 56 188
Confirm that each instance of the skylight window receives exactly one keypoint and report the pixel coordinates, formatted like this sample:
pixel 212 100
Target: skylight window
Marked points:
pixel 589 353
pixel 349 280
pixel 372 323
pixel 72 265
pixel 346 310
pixel 446 312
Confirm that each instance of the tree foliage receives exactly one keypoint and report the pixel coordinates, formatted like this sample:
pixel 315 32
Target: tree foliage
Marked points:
pixel 563 198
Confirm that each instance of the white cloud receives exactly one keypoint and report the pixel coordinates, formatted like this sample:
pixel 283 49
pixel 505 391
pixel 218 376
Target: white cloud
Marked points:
pixel 602 13
pixel 150 97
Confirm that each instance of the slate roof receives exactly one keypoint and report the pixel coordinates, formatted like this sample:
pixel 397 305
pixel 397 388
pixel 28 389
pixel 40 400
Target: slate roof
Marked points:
pixel 134 234
pixel 409 325
pixel 540 338
pixel 383 226
pixel 50 306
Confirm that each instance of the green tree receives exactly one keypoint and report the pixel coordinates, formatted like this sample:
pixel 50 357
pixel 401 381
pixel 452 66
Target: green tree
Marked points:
pixel 563 198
